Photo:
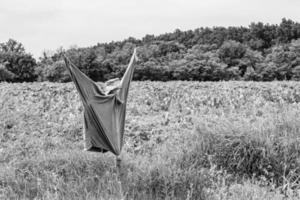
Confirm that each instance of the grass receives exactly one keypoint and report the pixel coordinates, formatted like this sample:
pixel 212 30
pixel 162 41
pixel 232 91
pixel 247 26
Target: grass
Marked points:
pixel 184 140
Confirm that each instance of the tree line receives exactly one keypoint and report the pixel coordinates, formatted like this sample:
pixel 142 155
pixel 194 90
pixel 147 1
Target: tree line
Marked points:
pixel 259 52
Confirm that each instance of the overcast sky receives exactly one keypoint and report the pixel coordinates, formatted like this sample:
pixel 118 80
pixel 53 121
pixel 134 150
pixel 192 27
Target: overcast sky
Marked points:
pixel 48 24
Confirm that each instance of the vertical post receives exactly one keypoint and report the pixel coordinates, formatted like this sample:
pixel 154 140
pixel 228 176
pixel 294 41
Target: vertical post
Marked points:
pixel 118 166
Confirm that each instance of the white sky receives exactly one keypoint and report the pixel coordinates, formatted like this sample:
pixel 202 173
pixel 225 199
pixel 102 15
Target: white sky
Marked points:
pixel 48 24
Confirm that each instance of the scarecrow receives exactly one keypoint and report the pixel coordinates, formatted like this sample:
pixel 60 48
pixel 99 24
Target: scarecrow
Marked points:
pixel 104 108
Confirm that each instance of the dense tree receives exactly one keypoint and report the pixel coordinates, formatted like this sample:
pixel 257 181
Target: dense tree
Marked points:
pixel 296 73
pixel 231 52
pixel 55 72
pixel 288 30
pixel 17 62
pixel 259 52
pixel 262 36
pixel 12 46
pixel 5 75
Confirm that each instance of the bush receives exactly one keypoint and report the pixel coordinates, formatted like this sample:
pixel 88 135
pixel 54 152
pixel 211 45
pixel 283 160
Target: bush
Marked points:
pixel 247 155
pixel 20 64
pixel 55 72
pixel 5 75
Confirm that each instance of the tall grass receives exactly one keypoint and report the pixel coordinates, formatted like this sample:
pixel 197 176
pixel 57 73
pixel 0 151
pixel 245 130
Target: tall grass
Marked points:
pixel 184 140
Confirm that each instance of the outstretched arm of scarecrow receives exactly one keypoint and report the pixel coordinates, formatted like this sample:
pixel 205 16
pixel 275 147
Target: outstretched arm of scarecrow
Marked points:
pixel 127 77
pixel 85 86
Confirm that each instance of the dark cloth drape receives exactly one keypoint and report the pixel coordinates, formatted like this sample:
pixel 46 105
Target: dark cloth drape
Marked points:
pixel 104 108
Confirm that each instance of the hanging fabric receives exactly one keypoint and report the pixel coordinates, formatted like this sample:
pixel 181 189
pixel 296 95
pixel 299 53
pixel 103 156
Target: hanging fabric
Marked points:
pixel 104 108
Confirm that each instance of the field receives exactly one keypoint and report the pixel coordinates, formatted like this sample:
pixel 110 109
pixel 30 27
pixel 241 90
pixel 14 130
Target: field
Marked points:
pixel 183 140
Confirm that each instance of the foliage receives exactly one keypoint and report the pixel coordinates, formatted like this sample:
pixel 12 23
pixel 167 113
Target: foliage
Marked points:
pixel 5 75
pixel 55 72
pixel 259 52
pixel 12 46
pixel 17 62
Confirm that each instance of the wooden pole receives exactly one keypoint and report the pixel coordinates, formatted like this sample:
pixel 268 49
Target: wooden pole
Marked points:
pixel 118 166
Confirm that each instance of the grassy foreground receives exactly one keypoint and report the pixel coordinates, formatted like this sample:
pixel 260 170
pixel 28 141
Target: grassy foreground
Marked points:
pixel 184 140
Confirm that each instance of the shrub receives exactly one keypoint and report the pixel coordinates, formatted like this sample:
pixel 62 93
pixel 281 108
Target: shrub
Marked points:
pixel 5 75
